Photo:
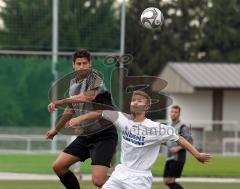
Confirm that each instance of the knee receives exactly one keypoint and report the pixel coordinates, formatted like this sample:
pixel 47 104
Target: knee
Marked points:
pixel 58 168
pixel 98 180
pixel 167 181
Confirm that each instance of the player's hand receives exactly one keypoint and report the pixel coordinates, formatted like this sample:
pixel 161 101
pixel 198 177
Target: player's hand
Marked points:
pixel 52 107
pixel 174 149
pixel 50 134
pixel 73 122
pixel 202 157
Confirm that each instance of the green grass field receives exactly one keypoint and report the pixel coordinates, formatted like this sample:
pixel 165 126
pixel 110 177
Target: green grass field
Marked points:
pixel 26 163
pixel 88 185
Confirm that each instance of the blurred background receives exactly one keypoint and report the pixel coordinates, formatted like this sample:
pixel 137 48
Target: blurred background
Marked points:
pixel 197 51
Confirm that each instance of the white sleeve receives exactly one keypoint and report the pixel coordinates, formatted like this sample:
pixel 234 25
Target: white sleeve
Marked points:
pixel 168 133
pixel 162 133
pixel 117 118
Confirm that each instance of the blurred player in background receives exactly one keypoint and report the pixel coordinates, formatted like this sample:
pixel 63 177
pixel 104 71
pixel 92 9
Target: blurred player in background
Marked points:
pixel 141 138
pixel 176 155
pixel 87 86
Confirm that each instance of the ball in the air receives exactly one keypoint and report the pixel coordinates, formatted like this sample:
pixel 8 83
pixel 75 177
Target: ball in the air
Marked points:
pixel 152 18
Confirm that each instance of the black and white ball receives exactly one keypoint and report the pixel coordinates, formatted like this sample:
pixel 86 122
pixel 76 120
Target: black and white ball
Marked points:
pixel 152 18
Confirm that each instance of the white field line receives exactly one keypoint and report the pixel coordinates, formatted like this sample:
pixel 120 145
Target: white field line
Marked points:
pixel 87 177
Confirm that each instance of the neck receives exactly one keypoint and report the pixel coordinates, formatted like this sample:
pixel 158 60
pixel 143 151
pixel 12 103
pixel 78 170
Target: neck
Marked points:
pixel 175 121
pixel 138 117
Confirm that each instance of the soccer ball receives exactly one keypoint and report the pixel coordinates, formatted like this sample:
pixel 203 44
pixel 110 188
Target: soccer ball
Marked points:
pixel 152 18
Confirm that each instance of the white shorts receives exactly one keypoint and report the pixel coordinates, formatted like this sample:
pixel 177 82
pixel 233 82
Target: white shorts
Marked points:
pixel 125 178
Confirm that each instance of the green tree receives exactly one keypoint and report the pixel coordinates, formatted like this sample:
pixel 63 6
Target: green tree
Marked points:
pixel 176 41
pixel 32 89
pixel 26 24
pixel 221 42
pixel 92 24
pixel 24 87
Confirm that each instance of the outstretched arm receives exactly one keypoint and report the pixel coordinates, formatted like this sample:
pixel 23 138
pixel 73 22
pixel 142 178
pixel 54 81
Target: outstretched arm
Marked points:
pixel 66 116
pixel 109 115
pixel 86 117
pixel 202 157
pixel 83 97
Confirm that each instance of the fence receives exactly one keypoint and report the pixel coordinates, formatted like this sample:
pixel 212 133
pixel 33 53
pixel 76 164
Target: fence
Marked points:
pixel 31 143
pixel 225 142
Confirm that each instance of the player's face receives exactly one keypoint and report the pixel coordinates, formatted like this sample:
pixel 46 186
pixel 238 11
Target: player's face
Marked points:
pixel 81 66
pixel 175 114
pixel 138 104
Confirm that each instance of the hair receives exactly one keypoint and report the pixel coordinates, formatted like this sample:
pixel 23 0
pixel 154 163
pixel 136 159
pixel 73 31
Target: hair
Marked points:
pixel 81 53
pixel 176 107
pixel 145 95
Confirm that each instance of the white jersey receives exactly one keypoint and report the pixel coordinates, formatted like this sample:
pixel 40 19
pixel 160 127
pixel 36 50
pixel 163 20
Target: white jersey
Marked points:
pixel 140 140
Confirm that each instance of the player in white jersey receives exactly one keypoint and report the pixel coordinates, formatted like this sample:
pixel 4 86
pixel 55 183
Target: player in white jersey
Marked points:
pixel 141 138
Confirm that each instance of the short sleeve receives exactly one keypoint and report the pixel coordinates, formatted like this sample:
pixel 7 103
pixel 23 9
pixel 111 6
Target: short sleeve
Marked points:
pixel 94 81
pixel 117 118
pixel 166 133
pixel 169 133
pixel 185 133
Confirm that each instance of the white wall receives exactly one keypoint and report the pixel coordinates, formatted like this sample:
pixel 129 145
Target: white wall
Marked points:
pixel 231 106
pixel 195 106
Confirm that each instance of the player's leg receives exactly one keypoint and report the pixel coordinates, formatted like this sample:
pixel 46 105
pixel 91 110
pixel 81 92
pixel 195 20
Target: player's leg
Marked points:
pixel 76 151
pixel 116 181
pixel 114 159
pixel 173 170
pixel 113 183
pixel 138 181
pixel 172 184
pixel 99 175
pixel 61 168
pixel 101 152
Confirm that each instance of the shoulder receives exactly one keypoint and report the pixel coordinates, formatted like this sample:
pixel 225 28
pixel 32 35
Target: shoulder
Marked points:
pixel 95 75
pixel 152 124
pixel 184 127
pixel 72 81
pixel 124 116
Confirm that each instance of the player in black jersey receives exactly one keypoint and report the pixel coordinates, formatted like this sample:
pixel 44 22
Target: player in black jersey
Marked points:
pixel 176 156
pixel 87 86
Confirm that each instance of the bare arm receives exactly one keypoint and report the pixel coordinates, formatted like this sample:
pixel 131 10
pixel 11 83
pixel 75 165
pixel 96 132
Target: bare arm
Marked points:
pixel 86 117
pixel 202 157
pixel 66 116
pixel 83 97
pixel 175 149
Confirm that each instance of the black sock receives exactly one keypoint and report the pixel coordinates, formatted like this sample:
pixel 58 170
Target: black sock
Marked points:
pixel 175 185
pixel 69 180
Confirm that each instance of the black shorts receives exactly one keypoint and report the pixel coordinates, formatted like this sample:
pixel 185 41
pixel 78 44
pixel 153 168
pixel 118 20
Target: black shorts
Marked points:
pixel 173 169
pixel 99 147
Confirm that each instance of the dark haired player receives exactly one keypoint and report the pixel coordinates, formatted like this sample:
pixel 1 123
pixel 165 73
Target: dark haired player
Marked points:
pixel 176 156
pixel 87 86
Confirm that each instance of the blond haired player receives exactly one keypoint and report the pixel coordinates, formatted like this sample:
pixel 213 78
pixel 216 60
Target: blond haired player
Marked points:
pixel 141 138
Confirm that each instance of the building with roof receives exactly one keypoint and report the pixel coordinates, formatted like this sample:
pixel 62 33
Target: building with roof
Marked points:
pixel 209 95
